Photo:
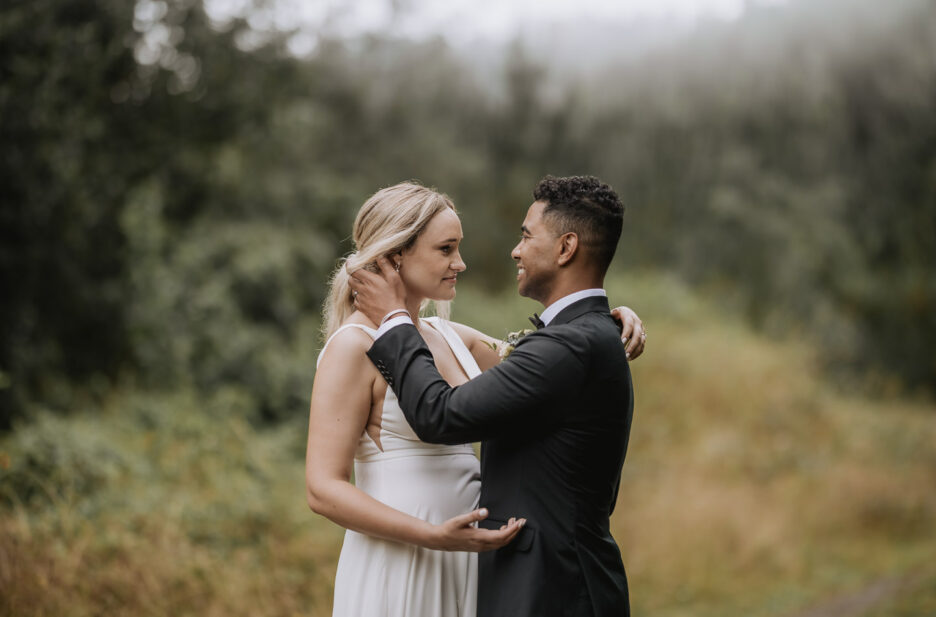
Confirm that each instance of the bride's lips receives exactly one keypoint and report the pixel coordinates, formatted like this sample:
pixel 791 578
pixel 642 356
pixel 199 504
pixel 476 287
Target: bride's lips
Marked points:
pixel 450 279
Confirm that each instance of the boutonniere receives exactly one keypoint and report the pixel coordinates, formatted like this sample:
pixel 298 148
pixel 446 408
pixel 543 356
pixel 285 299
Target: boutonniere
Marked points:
pixel 510 342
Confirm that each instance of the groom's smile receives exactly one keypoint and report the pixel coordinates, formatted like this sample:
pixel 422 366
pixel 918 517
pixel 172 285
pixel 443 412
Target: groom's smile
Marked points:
pixel 532 254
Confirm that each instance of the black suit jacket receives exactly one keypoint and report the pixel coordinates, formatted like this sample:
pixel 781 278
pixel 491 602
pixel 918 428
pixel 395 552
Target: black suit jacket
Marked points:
pixel 554 419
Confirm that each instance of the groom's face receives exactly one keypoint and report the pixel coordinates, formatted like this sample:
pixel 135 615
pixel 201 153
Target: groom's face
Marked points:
pixel 535 255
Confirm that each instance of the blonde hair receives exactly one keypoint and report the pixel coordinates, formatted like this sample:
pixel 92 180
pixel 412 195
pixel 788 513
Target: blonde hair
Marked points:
pixel 387 223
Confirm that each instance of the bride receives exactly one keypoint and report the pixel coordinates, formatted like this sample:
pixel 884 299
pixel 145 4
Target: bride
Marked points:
pixel 411 541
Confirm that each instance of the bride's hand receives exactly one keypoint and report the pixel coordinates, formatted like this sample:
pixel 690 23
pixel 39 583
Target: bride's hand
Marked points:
pixel 633 334
pixel 460 534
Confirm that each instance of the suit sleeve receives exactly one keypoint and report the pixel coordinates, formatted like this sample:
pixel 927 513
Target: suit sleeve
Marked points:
pixel 523 389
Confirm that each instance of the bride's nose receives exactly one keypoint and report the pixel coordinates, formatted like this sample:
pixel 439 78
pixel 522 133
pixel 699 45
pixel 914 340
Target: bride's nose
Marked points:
pixel 457 264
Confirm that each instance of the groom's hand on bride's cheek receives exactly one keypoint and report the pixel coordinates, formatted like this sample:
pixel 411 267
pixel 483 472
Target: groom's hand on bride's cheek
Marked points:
pixel 633 334
pixel 391 276
pixel 460 533
pixel 375 295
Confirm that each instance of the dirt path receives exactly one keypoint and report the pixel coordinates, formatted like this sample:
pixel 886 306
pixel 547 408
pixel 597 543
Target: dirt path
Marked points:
pixel 857 603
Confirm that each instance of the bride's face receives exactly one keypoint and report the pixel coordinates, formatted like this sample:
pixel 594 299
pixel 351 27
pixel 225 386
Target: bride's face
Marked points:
pixel 430 267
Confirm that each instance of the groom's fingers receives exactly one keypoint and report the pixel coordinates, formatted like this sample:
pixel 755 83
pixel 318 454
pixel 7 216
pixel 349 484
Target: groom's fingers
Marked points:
pixel 357 282
pixel 386 268
pixel 361 277
pixel 390 273
pixel 363 281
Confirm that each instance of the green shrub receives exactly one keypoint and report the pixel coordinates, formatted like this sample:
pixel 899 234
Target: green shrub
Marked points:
pixel 52 460
pixel 228 306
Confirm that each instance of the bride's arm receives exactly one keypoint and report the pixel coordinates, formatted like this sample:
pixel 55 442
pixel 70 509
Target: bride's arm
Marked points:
pixel 341 402
pixel 485 348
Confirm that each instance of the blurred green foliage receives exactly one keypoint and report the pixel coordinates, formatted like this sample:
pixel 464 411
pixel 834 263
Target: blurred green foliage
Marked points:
pixel 175 191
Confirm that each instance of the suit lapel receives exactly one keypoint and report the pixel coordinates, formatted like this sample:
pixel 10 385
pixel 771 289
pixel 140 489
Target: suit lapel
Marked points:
pixel 592 304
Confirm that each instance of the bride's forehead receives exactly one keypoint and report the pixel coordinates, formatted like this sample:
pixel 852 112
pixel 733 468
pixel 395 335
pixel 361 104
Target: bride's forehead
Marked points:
pixel 444 223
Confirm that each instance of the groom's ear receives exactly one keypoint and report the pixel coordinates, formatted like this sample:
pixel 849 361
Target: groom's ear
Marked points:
pixel 568 247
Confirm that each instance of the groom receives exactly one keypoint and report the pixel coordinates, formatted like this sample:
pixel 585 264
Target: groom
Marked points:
pixel 554 417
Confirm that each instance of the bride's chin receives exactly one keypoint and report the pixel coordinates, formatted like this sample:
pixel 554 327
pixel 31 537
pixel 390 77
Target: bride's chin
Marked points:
pixel 444 296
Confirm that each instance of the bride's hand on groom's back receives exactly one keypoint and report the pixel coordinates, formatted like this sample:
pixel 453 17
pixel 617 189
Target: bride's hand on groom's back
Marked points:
pixel 460 533
pixel 633 333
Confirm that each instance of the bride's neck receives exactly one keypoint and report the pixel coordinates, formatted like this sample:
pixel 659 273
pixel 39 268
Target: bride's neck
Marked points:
pixel 412 307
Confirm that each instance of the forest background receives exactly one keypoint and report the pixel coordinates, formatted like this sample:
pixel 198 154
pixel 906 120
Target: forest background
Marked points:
pixel 175 189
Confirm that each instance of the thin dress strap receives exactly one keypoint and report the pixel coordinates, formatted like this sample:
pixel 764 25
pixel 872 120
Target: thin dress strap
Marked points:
pixel 370 331
pixel 456 344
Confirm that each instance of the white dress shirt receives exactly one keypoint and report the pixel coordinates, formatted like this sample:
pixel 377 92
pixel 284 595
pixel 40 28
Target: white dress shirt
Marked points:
pixel 399 320
pixel 556 307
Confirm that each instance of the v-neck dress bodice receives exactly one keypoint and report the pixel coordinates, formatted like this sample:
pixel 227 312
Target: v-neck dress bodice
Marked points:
pixel 432 482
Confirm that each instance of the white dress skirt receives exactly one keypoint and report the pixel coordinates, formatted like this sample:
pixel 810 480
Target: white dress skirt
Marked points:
pixel 383 578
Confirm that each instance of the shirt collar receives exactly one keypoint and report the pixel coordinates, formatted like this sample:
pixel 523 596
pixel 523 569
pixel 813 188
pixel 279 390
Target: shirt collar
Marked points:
pixel 553 309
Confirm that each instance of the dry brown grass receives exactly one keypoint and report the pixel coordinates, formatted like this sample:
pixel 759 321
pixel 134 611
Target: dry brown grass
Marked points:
pixel 751 488
pixel 157 570
pixel 205 517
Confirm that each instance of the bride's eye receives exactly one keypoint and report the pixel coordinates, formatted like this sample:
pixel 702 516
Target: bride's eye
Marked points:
pixel 446 250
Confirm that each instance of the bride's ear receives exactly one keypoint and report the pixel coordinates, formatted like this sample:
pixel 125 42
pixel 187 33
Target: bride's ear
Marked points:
pixel 396 259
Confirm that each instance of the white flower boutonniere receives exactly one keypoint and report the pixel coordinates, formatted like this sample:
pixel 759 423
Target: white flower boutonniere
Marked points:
pixel 510 342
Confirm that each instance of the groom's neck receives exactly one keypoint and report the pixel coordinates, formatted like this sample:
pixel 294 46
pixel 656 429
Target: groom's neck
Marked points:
pixel 570 282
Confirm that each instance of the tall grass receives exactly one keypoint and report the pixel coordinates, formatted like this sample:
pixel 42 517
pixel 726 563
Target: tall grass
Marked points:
pixel 751 488
pixel 161 505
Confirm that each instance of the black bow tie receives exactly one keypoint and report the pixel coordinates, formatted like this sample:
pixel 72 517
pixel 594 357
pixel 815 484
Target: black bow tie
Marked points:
pixel 536 321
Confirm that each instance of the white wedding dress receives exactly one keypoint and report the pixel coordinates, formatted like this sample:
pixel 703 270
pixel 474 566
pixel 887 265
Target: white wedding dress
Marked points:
pixel 382 578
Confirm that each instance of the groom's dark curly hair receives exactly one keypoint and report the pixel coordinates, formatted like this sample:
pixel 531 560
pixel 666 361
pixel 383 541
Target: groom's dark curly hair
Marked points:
pixel 586 206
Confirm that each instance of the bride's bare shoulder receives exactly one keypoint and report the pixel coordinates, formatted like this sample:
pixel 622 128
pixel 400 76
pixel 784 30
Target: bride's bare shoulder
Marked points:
pixel 358 318
pixel 347 346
